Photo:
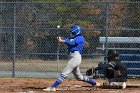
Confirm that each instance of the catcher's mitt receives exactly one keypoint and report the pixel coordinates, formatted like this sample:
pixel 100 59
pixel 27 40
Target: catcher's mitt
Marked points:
pixel 90 71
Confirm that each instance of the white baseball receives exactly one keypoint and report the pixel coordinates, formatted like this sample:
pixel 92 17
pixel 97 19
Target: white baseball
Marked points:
pixel 58 26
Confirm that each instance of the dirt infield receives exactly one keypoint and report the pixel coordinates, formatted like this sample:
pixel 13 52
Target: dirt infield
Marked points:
pixel 35 85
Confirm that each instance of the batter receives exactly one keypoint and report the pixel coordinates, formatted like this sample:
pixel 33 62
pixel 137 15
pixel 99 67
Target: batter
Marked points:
pixel 75 46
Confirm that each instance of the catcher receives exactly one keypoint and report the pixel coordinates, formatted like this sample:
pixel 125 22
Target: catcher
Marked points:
pixel 114 71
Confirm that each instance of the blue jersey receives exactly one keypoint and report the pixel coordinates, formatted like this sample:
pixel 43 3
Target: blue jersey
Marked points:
pixel 75 44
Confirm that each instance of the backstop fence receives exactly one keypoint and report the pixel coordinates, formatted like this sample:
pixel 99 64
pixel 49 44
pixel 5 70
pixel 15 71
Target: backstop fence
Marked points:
pixel 28 31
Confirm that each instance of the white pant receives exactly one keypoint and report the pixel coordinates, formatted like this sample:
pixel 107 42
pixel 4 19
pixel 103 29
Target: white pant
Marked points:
pixel 73 65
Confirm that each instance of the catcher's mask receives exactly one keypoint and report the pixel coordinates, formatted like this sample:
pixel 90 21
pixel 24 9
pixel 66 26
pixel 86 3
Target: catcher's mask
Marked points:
pixel 75 30
pixel 113 55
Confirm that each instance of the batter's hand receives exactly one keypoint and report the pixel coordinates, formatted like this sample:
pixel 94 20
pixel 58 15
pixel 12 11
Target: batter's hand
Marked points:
pixel 60 39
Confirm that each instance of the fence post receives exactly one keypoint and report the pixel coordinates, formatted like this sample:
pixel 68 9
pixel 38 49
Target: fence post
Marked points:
pixel 106 30
pixel 14 41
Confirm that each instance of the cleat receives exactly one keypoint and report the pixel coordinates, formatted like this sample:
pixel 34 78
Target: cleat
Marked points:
pixel 124 85
pixel 98 85
pixel 49 89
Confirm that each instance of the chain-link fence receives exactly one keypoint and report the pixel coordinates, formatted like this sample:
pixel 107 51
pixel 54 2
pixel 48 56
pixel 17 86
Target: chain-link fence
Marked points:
pixel 28 34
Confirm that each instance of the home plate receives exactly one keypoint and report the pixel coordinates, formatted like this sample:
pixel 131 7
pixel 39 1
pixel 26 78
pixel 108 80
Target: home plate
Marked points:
pixel 27 92
pixel 60 89
pixel 77 86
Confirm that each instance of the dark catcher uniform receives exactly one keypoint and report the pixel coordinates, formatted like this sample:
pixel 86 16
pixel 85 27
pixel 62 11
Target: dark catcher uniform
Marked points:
pixel 114 71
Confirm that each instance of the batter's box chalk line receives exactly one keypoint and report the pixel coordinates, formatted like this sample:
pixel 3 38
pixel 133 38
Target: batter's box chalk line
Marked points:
pixel 133 86
pixel 27 92
pixel 76 87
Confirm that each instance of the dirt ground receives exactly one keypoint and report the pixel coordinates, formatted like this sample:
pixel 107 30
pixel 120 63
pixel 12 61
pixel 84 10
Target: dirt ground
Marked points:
pixel 35 85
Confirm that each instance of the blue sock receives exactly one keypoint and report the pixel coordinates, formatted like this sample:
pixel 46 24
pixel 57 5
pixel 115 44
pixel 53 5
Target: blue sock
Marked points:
pixel 56 83
pixel 91 82
pixel 59 80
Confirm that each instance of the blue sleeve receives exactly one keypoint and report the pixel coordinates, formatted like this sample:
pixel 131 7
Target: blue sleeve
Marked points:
pixel 75 41
pixel 67 41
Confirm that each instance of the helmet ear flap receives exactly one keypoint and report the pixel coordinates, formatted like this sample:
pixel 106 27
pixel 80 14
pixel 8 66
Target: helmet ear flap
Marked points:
pixel 74 33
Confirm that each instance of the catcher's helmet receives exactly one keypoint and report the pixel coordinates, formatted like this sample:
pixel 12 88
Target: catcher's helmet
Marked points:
pixel 76 30
pixel 113 55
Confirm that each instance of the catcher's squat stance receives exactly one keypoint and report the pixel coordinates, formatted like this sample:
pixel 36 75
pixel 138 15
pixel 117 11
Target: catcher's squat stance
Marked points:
pixel 114 71
pixel 75 46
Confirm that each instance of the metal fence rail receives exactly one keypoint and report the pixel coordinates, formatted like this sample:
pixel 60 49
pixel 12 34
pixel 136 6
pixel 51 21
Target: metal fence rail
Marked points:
pixel 28 32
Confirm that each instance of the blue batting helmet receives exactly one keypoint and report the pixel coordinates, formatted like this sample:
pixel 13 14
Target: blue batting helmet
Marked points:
pixel 76 30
